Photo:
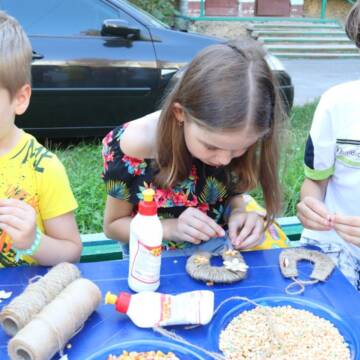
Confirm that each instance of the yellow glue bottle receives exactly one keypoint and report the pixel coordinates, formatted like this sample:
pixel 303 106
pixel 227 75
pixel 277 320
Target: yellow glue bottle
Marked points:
pixel 146 235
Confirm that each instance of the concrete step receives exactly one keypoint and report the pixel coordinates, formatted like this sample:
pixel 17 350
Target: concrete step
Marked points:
pixel 315 55
pixel 347 48
pixel 291 33
pixel 292 25
pixel 303 39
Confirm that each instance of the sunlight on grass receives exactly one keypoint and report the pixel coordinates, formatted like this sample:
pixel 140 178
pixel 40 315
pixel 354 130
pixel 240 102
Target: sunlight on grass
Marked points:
pixel 83 163
pixel 292 171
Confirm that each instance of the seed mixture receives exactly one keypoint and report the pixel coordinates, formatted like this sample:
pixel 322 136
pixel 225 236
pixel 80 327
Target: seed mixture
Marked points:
pixel 282 333
pixel 146 355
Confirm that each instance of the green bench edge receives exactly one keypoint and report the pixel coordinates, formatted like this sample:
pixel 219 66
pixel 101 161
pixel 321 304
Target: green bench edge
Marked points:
pixel 97 247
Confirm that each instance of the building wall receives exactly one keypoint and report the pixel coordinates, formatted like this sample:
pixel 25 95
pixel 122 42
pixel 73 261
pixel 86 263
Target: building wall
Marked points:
pixel 337 9
pixel 243 8
pixel 193 7
pixel 246 8
pixel 297 8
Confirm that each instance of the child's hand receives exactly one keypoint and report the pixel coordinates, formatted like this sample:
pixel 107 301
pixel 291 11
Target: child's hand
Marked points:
pixel 18 219
pixel 314 215
pixel 194 226
pixel 246 229
pixel 348 227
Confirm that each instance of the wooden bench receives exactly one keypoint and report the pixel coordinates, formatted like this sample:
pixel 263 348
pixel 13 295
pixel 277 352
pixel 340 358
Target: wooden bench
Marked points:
pixel 291 226
pixel 97 247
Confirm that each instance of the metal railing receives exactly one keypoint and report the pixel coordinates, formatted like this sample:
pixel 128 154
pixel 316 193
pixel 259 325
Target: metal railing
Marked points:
pixel 323 9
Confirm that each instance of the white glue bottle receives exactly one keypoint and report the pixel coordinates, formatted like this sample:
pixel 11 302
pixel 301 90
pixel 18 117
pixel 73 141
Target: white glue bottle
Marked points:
pixel 146 235
pixel 151 309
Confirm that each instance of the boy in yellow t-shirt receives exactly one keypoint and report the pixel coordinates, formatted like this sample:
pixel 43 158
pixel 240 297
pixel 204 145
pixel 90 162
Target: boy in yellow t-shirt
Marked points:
pixel 37 223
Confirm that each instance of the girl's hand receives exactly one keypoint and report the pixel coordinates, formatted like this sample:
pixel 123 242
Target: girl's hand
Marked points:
pixel 348 228
pixel 314 215
pixel 18 219
pixel 246 229
pixel 194 226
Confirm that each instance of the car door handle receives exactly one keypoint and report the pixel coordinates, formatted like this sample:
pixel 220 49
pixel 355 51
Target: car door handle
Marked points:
pixel 36 56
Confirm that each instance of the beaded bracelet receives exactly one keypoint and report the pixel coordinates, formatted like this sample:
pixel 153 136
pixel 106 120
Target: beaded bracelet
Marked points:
pixel 34 247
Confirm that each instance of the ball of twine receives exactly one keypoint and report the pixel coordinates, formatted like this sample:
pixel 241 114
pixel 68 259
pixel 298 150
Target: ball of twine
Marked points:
pixel 234 268
pixel 37 294
pixel 49 331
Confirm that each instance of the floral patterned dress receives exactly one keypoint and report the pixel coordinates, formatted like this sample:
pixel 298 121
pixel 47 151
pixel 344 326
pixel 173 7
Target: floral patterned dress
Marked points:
pixel 126 177
pixel 206 189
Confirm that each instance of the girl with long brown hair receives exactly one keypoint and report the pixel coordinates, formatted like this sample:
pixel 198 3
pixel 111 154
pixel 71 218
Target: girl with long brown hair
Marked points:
pixel 215 138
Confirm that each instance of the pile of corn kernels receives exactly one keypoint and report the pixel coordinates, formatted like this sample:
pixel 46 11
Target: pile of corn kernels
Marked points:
pixel 282 333
pixel 147 355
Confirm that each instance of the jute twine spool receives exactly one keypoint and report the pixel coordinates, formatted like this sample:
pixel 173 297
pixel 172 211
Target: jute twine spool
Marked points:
pixel 49 331
pixel 36 295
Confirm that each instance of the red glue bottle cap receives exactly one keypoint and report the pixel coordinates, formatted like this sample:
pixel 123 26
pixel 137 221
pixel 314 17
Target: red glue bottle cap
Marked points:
pixel 148 206
pixel 123 301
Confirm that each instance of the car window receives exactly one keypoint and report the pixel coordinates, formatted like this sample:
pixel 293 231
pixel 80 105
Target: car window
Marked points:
pixel 60 17
pixel 145 15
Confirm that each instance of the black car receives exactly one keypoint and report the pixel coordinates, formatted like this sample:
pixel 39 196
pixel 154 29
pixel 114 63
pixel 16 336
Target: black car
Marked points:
pixel 98 63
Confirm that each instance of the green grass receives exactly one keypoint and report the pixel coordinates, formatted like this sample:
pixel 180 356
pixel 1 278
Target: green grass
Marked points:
pixel 84 165
pixel 292 170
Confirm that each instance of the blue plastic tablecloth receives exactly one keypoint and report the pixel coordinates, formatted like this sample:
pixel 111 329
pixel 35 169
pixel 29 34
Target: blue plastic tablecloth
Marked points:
pixel 108 331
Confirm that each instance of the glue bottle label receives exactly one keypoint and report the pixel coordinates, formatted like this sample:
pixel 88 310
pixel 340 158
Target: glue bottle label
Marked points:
pixel 194 307
pixel 146 263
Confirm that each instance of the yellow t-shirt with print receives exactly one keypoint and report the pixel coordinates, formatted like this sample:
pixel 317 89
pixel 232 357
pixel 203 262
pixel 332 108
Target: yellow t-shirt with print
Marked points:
pixel 31 173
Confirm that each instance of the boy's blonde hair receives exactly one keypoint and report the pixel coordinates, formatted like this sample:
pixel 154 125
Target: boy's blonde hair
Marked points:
pixel 15 55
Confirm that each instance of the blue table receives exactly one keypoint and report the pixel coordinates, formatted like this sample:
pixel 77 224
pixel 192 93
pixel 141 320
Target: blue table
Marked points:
pixel 108 331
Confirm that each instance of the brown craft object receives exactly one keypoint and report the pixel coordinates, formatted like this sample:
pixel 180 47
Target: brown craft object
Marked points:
pixel 288 259
pixel 234 268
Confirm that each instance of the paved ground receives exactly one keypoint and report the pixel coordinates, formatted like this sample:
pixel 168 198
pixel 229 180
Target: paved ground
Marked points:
pixel 312 77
